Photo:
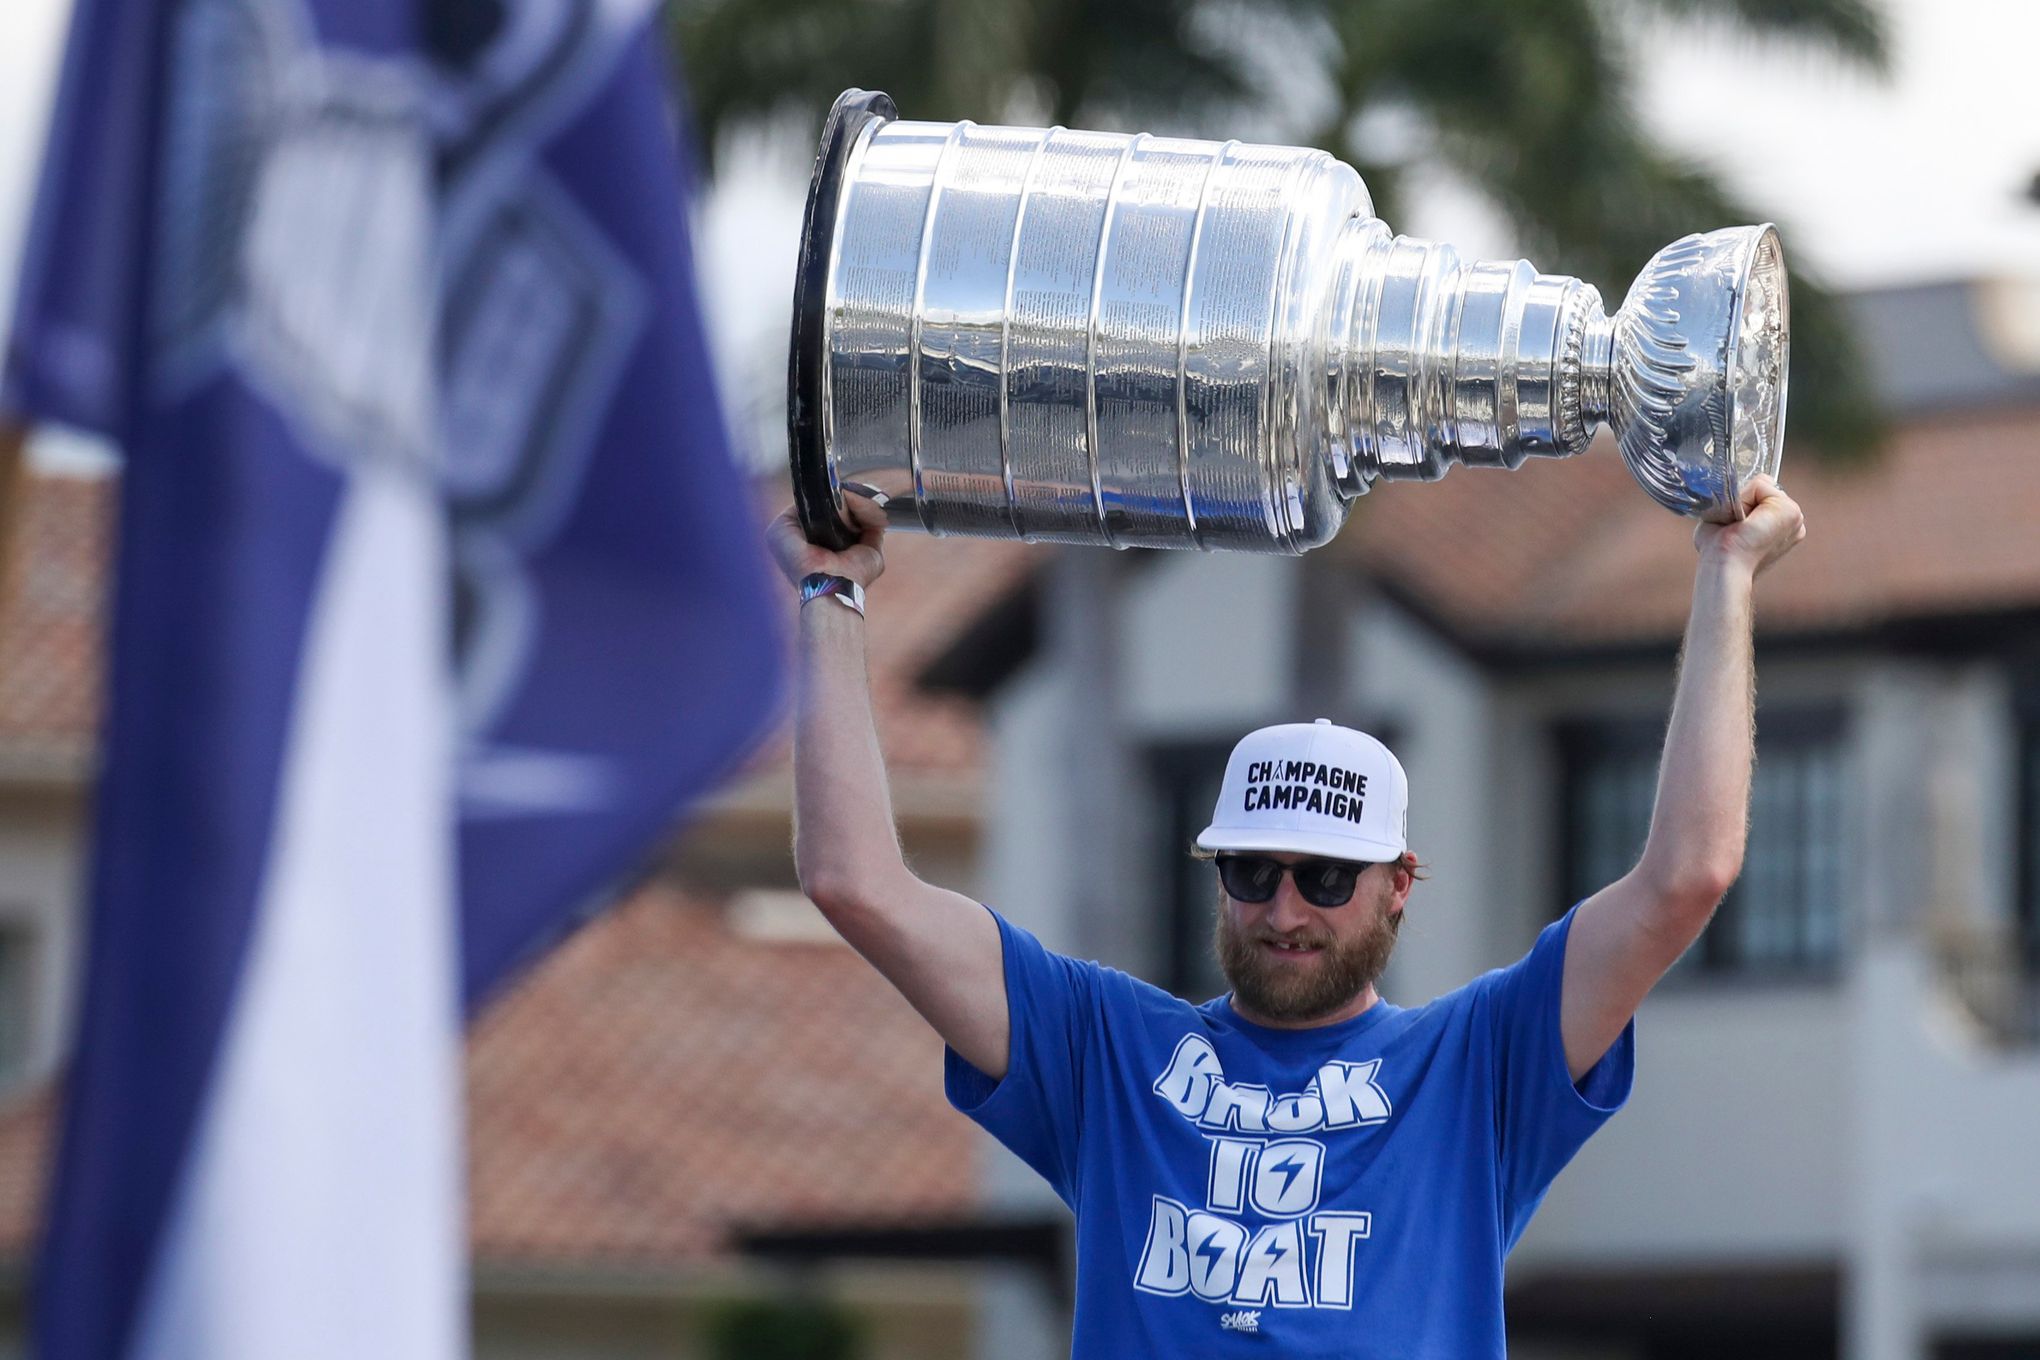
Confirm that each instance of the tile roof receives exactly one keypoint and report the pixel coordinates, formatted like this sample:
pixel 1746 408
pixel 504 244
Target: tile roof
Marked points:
pixel 1947 522
pixel 1559 554
pixel 931 591
pixel 659 1082
pixel 50 621
pixel 1568 555
pixel 49 618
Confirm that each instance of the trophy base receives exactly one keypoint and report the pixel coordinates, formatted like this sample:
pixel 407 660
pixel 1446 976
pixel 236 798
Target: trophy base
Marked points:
pixel 814 491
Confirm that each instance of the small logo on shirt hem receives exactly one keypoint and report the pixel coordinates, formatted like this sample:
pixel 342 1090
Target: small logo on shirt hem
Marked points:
pixel 1242 1321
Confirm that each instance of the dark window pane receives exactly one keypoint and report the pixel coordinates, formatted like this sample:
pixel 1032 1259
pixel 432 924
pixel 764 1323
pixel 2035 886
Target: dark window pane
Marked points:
pixel 1186 781
pixel 17 955
pixel 1610 776
pixel 2029 842
pixel 1785 911
pixel 1786 908
pixel 1824 853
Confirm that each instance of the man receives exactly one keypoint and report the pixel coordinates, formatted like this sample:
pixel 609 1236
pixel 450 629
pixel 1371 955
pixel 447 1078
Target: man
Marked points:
pixel 1297 1168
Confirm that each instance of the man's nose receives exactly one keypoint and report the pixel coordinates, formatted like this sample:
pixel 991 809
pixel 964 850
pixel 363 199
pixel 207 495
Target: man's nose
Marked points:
pixel 1288 911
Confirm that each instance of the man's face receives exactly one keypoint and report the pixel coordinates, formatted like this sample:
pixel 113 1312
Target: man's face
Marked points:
pixel 1295 964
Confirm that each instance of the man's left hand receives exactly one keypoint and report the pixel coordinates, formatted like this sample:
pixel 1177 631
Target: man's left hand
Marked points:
pixel 1772 523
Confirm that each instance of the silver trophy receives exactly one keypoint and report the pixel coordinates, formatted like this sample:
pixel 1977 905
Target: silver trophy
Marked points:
pixel 1138 341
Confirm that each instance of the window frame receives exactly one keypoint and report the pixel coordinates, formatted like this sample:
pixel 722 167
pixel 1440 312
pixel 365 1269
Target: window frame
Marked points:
pixel 1716 958
pixel 1172 766
pixel 20 944
pixel 2026 813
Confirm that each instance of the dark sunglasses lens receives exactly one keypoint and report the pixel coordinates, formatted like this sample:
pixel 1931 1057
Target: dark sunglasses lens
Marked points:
pixel 1249 878
pixel 1325 882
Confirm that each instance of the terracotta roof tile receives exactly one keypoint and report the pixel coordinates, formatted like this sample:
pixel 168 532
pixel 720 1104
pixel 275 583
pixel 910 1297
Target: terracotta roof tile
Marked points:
pixel 1568 553
pixel 931 591
pixel 658 1082
pixel 1947 522
pixel 49 616
pixel 50 622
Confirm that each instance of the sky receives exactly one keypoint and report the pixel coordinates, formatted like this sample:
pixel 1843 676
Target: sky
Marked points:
pixel 1919 176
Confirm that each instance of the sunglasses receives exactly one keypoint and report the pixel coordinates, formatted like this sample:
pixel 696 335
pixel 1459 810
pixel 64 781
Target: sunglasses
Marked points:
pixel 1320 882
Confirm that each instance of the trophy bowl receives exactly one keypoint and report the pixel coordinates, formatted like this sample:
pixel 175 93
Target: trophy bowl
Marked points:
pixel 1139 341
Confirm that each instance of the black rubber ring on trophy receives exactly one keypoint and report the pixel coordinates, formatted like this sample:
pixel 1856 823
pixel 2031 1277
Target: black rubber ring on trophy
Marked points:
pixel 814 496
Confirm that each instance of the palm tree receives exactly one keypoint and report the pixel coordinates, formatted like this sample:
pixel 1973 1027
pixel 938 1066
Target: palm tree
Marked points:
pixel 1516 96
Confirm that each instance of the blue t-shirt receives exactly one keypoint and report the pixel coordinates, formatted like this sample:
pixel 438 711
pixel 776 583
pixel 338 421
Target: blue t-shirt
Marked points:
pixel 1349 1190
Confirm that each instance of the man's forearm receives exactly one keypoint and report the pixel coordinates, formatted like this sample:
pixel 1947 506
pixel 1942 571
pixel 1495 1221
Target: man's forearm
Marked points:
pixel 1625 936
pixel 1700 821
pixel 845 846
pixel 941 950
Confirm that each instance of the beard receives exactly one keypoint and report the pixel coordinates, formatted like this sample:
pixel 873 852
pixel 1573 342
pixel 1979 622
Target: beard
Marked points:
pixel 1290 994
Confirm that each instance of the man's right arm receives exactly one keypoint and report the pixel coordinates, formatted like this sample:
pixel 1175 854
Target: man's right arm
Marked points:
pixel 938 948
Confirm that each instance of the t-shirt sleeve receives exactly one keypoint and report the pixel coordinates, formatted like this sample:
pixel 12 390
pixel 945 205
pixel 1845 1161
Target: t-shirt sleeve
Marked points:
pixel 1033 1109
pixel 1542 1116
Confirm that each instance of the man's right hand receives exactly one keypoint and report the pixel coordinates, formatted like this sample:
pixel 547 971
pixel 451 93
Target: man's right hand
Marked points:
pixel 1772 523
pixel 862 561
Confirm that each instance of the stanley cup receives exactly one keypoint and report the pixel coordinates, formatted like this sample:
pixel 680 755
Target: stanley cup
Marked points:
pixel 1137 341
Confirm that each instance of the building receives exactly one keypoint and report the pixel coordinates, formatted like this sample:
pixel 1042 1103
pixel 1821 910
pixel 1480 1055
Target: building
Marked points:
pixel 697 1100
pixel 1829 1148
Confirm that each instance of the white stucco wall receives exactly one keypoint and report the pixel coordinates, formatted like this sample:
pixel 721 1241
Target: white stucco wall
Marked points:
pixel 1732 1148
pixel 1766 1121
pixel 1720 1065
pixel 1206 644
pixel 1440 718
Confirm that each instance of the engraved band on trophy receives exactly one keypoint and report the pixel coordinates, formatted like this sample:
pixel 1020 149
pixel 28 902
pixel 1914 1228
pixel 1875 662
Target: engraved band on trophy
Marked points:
pixel 1082 337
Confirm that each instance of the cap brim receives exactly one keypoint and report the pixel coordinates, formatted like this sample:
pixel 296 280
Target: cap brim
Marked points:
pixel 1358 849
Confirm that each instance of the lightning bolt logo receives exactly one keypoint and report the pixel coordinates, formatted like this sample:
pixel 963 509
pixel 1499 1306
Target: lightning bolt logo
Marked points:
pixel 1289 1167
pixel 1210 1251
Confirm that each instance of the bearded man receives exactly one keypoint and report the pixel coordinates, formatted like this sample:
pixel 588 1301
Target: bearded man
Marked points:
pixel 1297 1168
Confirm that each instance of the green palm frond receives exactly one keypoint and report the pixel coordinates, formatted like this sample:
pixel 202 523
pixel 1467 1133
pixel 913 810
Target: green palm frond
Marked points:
pixel 751 61
pixel 1621 201
pixel 1854 29
pixel 1529 101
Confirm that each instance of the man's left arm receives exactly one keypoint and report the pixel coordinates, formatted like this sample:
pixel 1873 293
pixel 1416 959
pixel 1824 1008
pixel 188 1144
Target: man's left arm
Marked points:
pixel 1626 936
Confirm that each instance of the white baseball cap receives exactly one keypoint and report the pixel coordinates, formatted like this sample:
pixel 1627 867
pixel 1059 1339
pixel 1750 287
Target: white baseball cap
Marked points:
pixel 1312 788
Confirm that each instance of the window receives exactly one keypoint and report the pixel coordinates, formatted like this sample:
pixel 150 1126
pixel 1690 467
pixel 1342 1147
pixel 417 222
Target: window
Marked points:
pixel 1784 913
pixel 17 1016
pixel 2029 838
pixel 1186 780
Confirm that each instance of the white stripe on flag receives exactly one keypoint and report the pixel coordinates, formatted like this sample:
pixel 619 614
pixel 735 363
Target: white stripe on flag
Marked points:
pixel 321 1213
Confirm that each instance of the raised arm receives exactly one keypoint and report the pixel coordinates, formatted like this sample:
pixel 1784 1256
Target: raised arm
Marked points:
pixel 1627 935
pixel 940 949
